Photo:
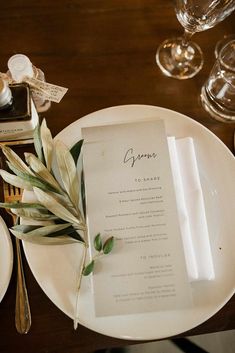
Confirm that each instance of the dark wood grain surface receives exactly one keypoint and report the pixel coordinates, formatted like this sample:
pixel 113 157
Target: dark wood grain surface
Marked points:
pixel 104 52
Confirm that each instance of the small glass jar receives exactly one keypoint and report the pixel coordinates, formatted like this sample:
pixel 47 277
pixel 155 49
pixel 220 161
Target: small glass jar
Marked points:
pixel 20 66
pixel 14 101
pixel 218 92
pixel 18 115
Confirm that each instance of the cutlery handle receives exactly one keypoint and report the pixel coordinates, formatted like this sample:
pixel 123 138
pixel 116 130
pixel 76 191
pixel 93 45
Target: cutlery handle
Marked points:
pixel 22 309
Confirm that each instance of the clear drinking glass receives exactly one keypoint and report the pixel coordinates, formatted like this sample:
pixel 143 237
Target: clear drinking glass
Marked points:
pixel 218 93
pixel 180 57
pixel 221 43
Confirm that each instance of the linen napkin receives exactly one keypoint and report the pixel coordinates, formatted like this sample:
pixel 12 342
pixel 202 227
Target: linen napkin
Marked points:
pixel 191 209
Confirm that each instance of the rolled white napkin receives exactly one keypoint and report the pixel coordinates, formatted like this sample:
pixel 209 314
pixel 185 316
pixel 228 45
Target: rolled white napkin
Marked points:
pixel 191 209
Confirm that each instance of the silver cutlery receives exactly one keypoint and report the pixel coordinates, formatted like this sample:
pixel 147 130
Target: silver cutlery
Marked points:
pixel 22 308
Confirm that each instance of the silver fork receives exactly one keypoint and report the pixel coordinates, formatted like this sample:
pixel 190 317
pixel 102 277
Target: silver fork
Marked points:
pixel 22 308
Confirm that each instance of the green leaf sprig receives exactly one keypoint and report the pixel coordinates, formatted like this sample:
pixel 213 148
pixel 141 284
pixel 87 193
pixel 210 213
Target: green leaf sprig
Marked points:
pixel 103 248
pixel 58 206
pixel 58 216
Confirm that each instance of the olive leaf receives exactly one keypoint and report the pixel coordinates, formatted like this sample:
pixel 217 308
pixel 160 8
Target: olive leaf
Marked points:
pixel 39 168
pixel 25 228
pixel 38 143
pixel 75 235
pixel 108 245
pixel 47 144
pixel 52 232
pixel 42 230
pixel 98 242
pixel 21 205
pixel 68 171
pixel 15 180
pixel 43 235
pixel 83 194
pixel 15 160
pixel 41 240
pixel 33 180
pixel 56 208
pixel 89 268
pixel 32 213
pixel 76 150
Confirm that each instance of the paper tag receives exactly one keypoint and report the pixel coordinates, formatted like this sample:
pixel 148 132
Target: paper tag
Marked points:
pixel 5 77
pixel 46 90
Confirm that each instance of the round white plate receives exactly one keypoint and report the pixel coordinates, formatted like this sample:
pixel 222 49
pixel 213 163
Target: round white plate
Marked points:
pixel 55 267
pixel 6 258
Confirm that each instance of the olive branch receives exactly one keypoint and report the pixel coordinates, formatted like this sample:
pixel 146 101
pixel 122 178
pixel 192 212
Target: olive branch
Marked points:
pixel 59 215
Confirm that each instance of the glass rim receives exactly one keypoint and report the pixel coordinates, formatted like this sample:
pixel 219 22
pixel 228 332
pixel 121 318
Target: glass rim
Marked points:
pixel 222 52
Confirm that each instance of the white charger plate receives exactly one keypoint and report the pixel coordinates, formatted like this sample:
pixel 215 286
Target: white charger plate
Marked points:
pixel 6 258
pixel 55 267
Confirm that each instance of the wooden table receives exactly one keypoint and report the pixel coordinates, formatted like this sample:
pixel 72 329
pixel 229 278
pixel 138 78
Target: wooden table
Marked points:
pixel 104 52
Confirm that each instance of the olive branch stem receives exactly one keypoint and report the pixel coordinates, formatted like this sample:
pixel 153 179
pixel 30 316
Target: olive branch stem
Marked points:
pixel 75 321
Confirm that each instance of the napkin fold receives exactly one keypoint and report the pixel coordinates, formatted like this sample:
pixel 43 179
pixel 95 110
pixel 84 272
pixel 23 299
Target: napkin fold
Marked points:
pixel 191 209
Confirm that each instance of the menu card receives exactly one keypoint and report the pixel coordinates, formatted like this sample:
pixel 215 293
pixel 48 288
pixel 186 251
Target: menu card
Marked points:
pixel 130 195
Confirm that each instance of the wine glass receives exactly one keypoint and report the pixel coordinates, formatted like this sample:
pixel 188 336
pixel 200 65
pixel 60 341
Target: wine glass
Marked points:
pixel 180 57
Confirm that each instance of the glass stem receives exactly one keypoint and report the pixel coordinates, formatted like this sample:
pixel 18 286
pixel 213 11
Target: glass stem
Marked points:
pixel 186 38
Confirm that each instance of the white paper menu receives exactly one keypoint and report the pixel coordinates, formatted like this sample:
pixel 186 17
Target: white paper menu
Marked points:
pixel 130 195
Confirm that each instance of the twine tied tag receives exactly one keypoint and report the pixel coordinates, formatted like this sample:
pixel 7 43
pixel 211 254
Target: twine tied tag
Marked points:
pixel 41 89
pixel 46 90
